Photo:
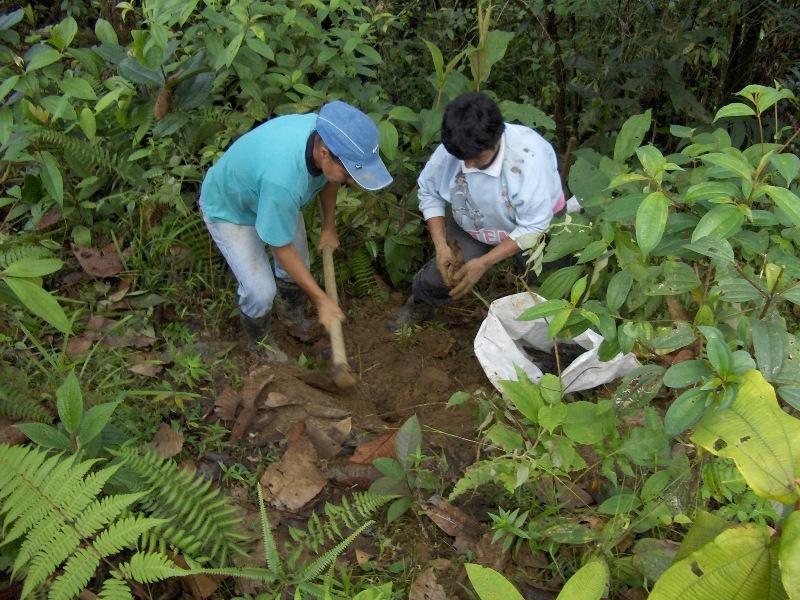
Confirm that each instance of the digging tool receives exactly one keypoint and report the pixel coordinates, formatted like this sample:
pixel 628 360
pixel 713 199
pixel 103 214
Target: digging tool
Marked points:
pixel 340 373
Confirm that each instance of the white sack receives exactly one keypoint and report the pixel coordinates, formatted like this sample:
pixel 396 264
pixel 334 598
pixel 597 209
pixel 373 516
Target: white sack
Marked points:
pixel 500 340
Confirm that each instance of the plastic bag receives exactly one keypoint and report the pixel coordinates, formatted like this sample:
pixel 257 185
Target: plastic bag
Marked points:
pixel 501 341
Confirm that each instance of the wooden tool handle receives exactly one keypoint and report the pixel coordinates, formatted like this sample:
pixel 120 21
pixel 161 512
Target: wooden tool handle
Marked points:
pixel 337 339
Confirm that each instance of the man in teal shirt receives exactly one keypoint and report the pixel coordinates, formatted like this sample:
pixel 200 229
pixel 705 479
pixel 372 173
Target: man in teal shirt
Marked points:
pixel 255 193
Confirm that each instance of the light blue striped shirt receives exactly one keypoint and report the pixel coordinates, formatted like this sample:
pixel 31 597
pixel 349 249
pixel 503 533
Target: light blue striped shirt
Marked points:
pixel 516 195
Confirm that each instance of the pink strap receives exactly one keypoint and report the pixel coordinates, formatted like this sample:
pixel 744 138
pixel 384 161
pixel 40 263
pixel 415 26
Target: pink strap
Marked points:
pixel 560 204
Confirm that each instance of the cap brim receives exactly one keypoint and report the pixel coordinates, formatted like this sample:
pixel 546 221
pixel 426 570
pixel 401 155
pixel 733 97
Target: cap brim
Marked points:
pixel 372 176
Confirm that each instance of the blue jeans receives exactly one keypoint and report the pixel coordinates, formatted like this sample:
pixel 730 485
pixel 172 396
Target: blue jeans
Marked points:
pixel 246 256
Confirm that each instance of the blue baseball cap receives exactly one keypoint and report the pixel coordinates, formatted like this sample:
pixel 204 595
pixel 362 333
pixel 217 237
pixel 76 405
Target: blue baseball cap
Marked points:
pixel 354 139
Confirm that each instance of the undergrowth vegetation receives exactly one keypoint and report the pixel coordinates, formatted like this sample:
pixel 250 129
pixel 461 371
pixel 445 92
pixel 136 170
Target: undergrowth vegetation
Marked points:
pixel 679 481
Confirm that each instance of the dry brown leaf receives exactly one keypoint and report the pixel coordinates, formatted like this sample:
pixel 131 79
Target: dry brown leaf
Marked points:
pixel 453 521
pixel 226 403
pixel 79 346
pixel 325 412
pixel 102 262
pixel 148 369
pixel 252 391
pixel 198 587
pixel 362 557
pixel 276 399
pixel 9 434
pixel 100 323
pixel 381 446
pixel 564 493
pixel 167 443
pixel 324 445
pixel 489 554
pixel 294 480
pixel 120 290
pixel 51 217
pixel 441 564
pixel 349 474
pixel 296 431
pixel 426 587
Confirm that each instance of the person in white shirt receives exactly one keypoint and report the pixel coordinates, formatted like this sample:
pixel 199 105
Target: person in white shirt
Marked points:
pixel 485 187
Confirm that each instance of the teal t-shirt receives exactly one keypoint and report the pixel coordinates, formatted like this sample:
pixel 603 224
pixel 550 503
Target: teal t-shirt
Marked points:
pixel 262 179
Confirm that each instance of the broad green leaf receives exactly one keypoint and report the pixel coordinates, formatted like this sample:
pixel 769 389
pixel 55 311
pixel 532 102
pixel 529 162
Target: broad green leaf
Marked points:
pixel 69 401
pixel 705 527
pixel 62 34
pixel 33 267
pixel 581 424
pixel 551 388
pixel 108 99
pixel 398 508
pixel 592 251
pixel 46 436
pixel 733 164
pixel 787 201
pixel 408 441
pixel 403 113
pixel 558 322
pixel 543 309
pixel 77 87
pixel 713 191
pixel 685 411
pixel 39 302
pixel 383 592
pixel 624 179
pixel 651 219
pixel 655 485
pixel 438 60
pixel 719 355
pixel 652 556
pixel 8 21
pixel 619 504
pixel 686 373
pixel 491 585
pixel 525 396
pixel 51 177
pixel 105 32
pixel 526 114
pixel 42 59
pixel 94 421
pixel 788 165
pixel 618 289
pixel 789 555
pixel 762 440
pixel 739 563
pixel 769 344
pixel 652 160
pixel 722 221
pixel 458 398
pixel 504 437
pixel 88 123
pixel 388 139
pixel 136 72
pixel 737 289
pixel 559 283
pixel 587 583
pixel 714 247
pixel 7 86
pixel 676 278
pixel 631 135
pixel 550 417
pixel 736 109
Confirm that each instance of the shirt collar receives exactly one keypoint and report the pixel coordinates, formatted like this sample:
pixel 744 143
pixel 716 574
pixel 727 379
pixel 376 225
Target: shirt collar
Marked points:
pixel 494 169
pixel 309 156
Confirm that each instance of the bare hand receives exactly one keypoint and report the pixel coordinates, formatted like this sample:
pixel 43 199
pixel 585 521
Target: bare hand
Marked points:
pixel 467 276
pixel 328 239
pixel 327 311
pixel 444 260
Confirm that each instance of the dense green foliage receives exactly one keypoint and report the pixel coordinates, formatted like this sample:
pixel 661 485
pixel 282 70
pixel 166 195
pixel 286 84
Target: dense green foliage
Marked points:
pixel 686 255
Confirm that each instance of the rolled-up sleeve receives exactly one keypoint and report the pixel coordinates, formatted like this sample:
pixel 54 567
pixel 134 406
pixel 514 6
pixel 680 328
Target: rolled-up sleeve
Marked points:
pixel 537 197
pixel 431 202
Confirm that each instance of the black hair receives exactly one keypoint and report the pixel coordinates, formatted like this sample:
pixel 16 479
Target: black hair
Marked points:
pixel 472 124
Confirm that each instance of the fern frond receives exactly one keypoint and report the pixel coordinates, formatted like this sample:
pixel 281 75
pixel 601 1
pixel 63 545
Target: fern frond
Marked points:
pixel 77 573
pixel 123 533
pixel 93 154
pixel 16 400
pixel 149 567
pixel 270 548
pixel 181 496
pixel 315 569
pixel 363 274
pixel 21 252
pixel 254 573
pixel 115 588
pixel 339 519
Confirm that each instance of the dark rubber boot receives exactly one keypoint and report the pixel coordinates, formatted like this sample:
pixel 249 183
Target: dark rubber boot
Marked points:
pixel 259 336
pixel 290 306
pixel 410 313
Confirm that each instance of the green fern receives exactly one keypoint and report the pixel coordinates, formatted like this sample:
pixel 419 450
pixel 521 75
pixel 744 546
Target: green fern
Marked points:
pixel 52 505
pixel 297 578
pixel 180 497
pixel 96 155
pixel 338 519
pixel 16 400
pixel 363 274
